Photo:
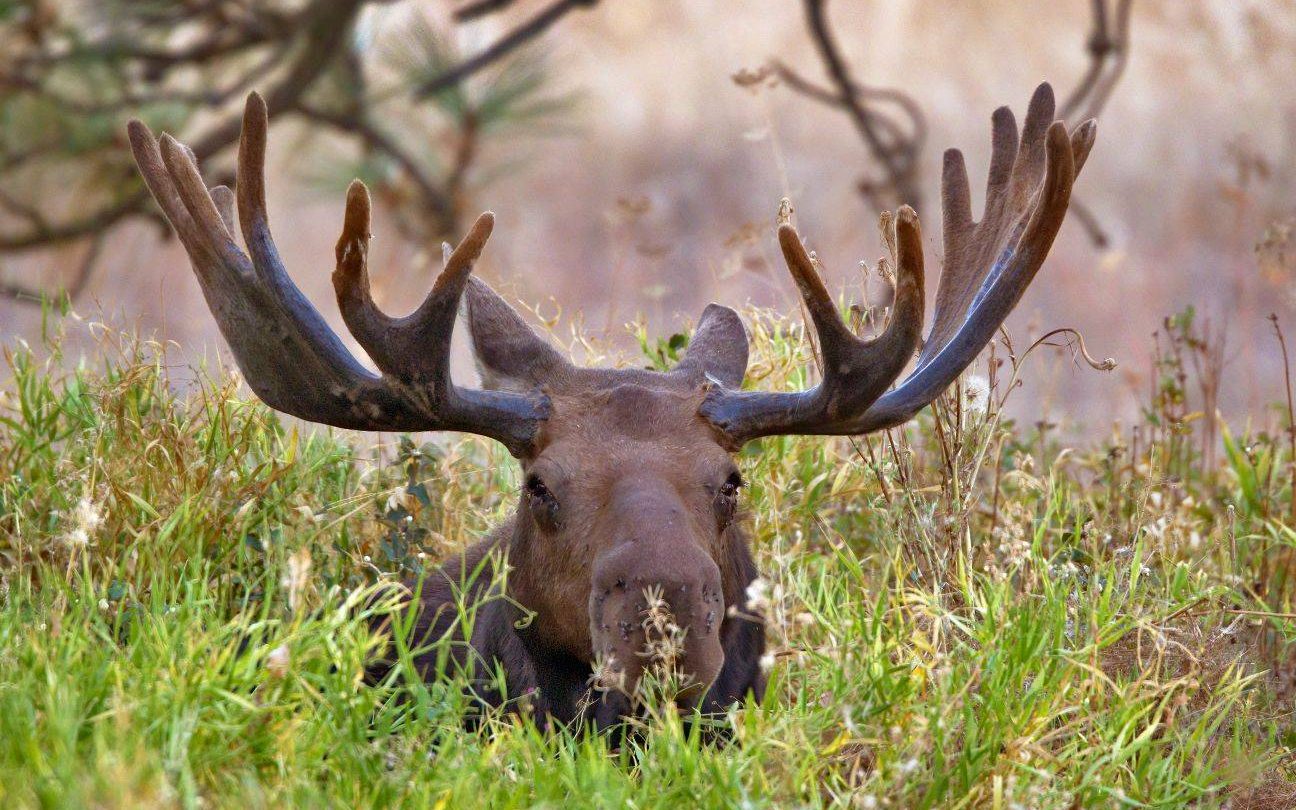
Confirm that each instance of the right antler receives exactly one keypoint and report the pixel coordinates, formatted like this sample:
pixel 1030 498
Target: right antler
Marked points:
pixel 988 265
pixel 287 353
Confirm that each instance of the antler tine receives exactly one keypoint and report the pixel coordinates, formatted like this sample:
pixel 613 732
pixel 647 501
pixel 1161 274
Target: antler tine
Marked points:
pixel 157 176
pixel 855 371
pixel 223 197
pixel 288 354
pixel 1011 274
pixel 416 346
pixel 988 265
pixel 253 217
pixel 1017 167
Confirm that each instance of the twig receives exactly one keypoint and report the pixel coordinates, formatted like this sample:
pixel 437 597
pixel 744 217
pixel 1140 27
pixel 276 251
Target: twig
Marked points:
pixel 1108 54
pixel 1090 223
pixel 510 42
pixel 85 269
pixel 1291 414
pixel 918 122
pixel 480 8
pixel 900 160
pixel 435 196
pixel 327 23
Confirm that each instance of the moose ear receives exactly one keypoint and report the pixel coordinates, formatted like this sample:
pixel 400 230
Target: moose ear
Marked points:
pixel 718 349
pixel 510 356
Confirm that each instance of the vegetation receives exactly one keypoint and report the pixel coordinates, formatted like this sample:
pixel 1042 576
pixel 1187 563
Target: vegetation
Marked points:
pixel 962 613
pixel 383 92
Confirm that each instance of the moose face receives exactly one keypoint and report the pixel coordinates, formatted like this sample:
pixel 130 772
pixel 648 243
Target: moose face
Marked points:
pixel 629 498
pixel 630 490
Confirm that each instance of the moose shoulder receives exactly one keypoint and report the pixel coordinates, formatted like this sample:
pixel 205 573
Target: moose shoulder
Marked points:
pixel 631 492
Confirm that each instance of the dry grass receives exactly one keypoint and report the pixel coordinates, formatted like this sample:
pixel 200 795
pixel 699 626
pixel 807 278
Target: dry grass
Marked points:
pixel 961 614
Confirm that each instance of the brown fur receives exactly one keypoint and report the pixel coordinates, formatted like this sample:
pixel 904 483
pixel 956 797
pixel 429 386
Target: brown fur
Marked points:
pixel 638 477
pixel 630 484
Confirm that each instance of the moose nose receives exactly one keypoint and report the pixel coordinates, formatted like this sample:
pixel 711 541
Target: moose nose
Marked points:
pixel 657 605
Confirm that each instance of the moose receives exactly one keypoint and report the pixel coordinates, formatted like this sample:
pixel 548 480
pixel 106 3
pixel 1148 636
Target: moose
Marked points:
pixel 631 490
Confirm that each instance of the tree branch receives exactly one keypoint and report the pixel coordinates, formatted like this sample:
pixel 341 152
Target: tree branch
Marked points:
pixel 235 47
pixel 1108 54
pixel 438 199
pixel 510 42
pixel 895 150
pixel 480 8
pixel 327 27
pixel 85 269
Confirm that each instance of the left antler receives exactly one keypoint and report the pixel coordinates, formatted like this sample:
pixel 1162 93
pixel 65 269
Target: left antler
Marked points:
pixel 988 266
pixel 288 354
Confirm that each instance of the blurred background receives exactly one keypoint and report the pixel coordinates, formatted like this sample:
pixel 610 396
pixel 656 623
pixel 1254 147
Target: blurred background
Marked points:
pixel 636 152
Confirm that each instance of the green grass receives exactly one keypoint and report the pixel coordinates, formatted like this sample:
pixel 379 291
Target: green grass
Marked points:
pixel 960 614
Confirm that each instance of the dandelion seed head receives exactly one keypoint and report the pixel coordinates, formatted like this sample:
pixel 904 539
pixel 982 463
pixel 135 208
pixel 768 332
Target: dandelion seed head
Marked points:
pixel 976 393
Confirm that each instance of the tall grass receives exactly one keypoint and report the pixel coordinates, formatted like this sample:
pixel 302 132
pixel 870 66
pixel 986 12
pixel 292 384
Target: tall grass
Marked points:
pixel 961 613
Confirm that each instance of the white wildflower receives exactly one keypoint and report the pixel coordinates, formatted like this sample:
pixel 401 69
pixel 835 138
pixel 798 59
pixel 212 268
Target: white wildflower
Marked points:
pixel 767 662
pixel 758 594
pixel 976 394
pixel 86 518
pixel 309 514
pixel 395 501
pixel 87 515
pixel 297 577
pixel 278 661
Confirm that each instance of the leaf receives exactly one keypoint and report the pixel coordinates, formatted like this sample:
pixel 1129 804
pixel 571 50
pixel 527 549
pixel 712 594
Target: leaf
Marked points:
pixel 420 492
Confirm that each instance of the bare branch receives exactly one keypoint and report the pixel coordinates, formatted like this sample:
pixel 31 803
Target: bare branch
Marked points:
pixel 891 128
pixel 896 149
pixel 1089 221
pixel 510 42
pixel 896 143
pixel 295 47
pixel 1108 48
pixel 23 294
pixel 1109 54
pixel 437 198
pixel 480 8
pixel 327 24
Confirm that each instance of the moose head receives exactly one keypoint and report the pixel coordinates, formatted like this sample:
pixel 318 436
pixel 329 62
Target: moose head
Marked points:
pixel 630 485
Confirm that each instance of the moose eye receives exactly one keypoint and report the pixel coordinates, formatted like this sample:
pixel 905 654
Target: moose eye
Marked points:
pixel 542 503
pixel 726 502
pixel 729 489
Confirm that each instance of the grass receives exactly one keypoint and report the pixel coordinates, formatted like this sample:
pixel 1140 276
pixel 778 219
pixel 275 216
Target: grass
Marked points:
pixel 961 613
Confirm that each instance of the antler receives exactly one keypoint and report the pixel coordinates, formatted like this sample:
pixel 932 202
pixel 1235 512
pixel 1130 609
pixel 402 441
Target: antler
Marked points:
pixel 287 353
pixel 988 266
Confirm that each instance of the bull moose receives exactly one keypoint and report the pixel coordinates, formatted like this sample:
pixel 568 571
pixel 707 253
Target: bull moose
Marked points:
pixel 630 484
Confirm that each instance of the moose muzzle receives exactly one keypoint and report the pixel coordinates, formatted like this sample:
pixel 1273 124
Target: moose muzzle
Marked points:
pixel 656 603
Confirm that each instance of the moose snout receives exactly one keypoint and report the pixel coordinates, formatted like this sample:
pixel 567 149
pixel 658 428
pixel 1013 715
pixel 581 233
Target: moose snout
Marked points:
pixel 657 606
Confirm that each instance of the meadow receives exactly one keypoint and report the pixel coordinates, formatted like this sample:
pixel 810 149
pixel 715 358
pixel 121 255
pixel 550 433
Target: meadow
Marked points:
pixel 965 612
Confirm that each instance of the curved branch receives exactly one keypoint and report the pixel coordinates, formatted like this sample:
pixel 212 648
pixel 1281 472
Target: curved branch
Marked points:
pixel 510 42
